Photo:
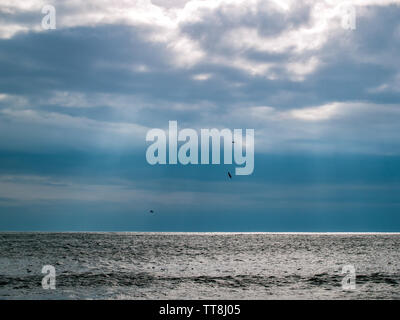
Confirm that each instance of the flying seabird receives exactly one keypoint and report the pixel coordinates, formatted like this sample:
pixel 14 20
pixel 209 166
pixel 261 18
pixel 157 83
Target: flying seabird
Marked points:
pixel 229 175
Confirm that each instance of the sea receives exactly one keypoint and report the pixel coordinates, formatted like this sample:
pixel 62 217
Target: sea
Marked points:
pixel 131 265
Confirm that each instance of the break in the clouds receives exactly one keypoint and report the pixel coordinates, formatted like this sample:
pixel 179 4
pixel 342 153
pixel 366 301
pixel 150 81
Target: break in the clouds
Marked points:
pixel 112 70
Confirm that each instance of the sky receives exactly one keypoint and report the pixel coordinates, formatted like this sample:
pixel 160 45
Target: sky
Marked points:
pixel 77 101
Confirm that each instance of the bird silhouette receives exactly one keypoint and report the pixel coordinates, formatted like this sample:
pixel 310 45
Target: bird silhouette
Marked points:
pixel 229 175
pixel 151 211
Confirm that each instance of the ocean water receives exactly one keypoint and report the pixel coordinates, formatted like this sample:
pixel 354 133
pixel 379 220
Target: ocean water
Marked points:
pixel 199 266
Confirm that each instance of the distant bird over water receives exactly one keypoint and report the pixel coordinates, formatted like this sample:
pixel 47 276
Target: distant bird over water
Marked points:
pixel 151 211
pixel 229 175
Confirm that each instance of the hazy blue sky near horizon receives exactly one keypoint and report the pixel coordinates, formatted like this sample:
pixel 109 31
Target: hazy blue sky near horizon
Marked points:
pixel 76 104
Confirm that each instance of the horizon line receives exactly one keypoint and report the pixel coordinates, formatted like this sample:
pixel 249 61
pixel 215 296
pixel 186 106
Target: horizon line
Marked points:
pixel 210 232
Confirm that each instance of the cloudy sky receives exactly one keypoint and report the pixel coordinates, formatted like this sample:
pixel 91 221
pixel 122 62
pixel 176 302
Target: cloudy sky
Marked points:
pixel 76 104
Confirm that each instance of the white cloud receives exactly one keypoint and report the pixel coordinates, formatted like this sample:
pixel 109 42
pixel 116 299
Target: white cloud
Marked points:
pixel 321 113
pixel 339 126
pixel 202 76
pixel 164 24
pixel 331 111
pixel 392 86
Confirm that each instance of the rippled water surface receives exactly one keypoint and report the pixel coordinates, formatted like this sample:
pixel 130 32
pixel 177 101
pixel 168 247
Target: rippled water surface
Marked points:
pixel 199 266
